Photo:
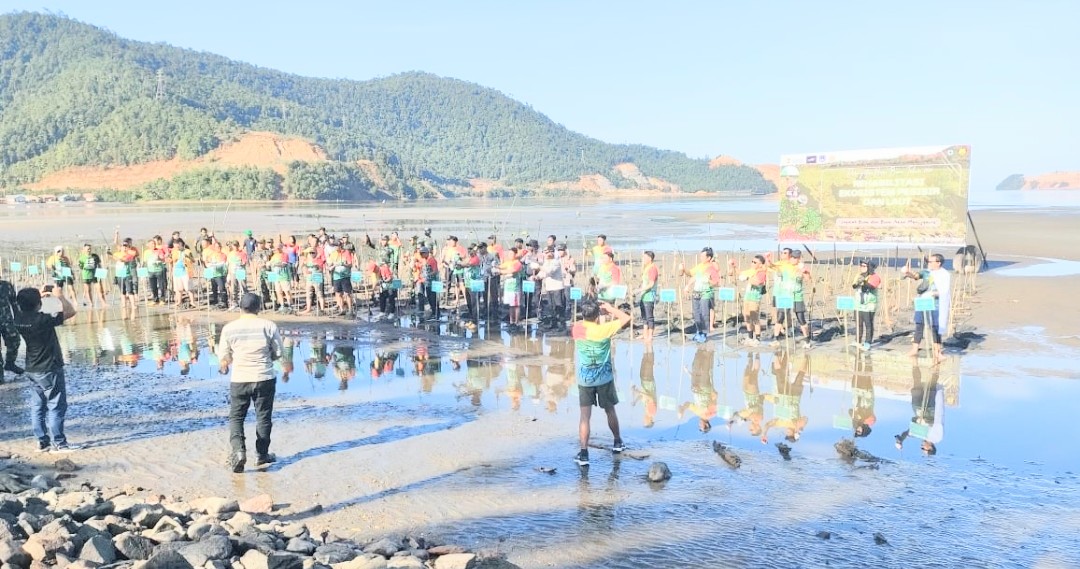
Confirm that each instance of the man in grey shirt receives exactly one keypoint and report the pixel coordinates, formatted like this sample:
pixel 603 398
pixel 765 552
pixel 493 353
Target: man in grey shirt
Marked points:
pixel 251 344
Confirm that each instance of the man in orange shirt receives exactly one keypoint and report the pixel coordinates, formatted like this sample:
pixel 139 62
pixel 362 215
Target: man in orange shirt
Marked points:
pixel 127 259
pixel 706 277
pixel 426 271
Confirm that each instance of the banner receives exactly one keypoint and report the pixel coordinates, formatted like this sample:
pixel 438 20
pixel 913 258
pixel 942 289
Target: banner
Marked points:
pixel 895 195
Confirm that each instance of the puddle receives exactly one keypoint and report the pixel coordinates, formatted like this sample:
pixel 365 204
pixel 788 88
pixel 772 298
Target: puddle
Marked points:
pixel 669 391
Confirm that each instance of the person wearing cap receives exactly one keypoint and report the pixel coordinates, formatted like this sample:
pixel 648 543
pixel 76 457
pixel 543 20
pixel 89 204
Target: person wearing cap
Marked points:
pixel 789 283
pixel 553 309
pixel 45 366
pixel 89 263
pixel 755 278
pixel 311 272
pixel 426 271
pixel 705 277
pixel 250 243
pixel 250 345
pixel 595 377
pixel 56 263
pixel 453 270
pixel 866 300
pixel 489 271
pixel 127 260
pixel 236 259
pixel 340 263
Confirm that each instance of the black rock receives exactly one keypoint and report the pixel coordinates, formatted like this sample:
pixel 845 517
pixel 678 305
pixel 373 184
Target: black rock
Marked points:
pixel 332 553
pixel 727 455
pixel 213 547
pixel 134 547
pixel 282 560
pixel 879 539
pixel 785 450
pixel 824 535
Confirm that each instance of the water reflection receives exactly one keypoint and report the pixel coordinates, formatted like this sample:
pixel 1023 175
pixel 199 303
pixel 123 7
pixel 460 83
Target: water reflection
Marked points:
pixel 668 390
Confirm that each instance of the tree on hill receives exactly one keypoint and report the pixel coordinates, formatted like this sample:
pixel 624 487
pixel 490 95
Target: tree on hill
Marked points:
pixel 75 95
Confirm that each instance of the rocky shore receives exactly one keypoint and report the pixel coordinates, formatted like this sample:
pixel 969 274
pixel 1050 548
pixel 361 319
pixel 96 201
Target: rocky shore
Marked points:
pixel 50 518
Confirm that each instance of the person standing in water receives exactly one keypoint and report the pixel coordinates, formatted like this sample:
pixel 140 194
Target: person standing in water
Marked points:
pixel 596 378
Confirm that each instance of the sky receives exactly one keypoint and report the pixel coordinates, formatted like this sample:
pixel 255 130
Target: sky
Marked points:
pixel 751 80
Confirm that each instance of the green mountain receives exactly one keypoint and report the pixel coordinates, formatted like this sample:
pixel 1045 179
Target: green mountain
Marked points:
pixel 75 95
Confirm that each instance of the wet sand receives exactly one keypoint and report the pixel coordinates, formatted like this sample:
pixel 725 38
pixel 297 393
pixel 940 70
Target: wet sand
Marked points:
pixel 450 443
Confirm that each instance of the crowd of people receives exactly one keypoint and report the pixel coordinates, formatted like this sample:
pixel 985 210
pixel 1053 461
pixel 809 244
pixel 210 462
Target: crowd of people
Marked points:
pixel 482 282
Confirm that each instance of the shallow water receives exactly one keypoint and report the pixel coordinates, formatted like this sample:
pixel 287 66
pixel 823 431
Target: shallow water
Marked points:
pixel 996 471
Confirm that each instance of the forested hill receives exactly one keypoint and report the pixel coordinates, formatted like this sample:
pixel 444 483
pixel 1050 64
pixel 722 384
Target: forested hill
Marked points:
pixel 78 99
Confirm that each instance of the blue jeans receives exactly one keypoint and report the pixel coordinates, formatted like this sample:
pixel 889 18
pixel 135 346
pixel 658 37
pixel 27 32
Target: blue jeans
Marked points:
pixel 48 405
pixel 701 307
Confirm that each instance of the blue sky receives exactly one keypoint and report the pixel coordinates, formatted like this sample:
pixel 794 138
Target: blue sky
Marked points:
pixel 749 79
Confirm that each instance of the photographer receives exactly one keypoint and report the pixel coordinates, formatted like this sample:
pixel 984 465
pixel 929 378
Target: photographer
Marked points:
pixel 45 366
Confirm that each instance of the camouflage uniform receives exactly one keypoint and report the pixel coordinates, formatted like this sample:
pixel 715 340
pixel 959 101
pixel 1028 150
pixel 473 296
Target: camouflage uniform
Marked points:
pixel 7 324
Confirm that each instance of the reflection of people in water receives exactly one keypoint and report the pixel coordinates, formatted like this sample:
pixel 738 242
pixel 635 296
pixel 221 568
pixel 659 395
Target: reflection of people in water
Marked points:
pixel 647 392
pixel 927 406
pixel 701 388
pixel 426 367
pixel 129 353
pixel 754 412
pixel 344 358
pixel 787 401
pixel 288 349
pixel 862 397
pixel 316 364
pixel 383 364
pixel 187 348
pixel 559 376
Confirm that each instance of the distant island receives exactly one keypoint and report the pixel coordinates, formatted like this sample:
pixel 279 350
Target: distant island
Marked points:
pixel 82 110
pixel 1051 181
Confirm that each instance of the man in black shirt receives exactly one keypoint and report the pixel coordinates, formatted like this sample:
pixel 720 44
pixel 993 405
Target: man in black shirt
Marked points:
pixel 44 367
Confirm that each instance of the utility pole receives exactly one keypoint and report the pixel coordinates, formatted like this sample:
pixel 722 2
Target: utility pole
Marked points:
pixel 160 94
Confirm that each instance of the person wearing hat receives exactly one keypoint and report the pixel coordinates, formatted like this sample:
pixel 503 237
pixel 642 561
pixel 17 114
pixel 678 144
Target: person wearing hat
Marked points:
pixel 56 264
pixel 551 286
pixel 45 366
pixel 426 271
pixel 866 300
pixel 250 345
pixel 705 277
pixel 250 243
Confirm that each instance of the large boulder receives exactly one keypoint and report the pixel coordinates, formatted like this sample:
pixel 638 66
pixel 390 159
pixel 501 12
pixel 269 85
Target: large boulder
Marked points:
pixel 134 547
pixel 98 549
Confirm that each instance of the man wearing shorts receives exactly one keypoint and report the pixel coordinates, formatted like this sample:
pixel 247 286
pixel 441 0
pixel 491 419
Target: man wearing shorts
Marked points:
pixel 127 260
pixel 650 276
pixel 596 378
pixel 755 278
pixel 89 263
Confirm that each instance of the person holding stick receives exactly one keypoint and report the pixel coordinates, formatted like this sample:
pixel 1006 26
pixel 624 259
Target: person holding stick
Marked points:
pixel 596 378
pixel 650 278
pixel 866 287
pixel 934 282
pixel 705 278
pixel 755 278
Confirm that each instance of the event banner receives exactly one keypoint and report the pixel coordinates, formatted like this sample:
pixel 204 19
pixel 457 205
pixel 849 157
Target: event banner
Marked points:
pixel 895 195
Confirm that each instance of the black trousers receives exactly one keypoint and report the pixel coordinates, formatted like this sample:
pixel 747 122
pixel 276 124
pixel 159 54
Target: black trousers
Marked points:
pixel 218 294
pixel 388 301
pixel 425 294
pixel 865 327
pixel 12 341
pixel 159 287
pixel 554 308
pixel 243 395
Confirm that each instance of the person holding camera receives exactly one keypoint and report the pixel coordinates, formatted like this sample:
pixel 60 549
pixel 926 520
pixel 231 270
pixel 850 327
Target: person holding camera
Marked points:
pixel 45 365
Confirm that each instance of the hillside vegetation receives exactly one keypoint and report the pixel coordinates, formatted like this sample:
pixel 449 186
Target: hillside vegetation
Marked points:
pixel 75 96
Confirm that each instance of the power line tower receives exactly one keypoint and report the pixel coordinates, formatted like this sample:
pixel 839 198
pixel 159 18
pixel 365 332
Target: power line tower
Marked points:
pixel 160 94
